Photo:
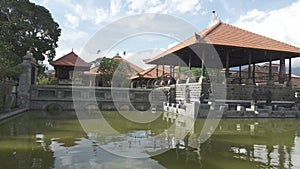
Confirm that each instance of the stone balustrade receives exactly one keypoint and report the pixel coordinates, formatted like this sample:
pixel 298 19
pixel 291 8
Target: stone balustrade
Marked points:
pixel 105 98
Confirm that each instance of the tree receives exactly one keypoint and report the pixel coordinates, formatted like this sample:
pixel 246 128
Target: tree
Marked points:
pixel 110 69
pixel 23 26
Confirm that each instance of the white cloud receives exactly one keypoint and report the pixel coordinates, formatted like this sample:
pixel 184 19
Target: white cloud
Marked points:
pixel 172 45
pixel 115 7
pixel 282 24
pixel 101 15
pixel 80 12
pixel 164 6
pixel 93 14
pixel 72 21
pixel 70 39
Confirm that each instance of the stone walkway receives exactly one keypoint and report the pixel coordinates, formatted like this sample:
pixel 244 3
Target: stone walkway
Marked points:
pixel 5 115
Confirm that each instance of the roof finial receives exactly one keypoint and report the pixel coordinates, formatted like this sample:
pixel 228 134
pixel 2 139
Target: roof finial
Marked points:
pixel 214 19
pixel 72 49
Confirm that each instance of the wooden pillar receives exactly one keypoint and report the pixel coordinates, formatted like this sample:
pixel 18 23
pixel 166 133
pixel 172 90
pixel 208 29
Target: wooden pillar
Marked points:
pixel 163 75
pixel 290 83
pixel 173 71
pixel 189 67
pixel 281 77
pixel 270 81
pixel 249 65
pixel 203 66
pixel 227 64
pixel 178 73
pixel 290 69
pixel 240 74
pixel 202 69
pixel 253 73
pixel 156 72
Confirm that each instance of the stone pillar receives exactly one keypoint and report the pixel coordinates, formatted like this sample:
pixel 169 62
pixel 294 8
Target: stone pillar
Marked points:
pixel 26 79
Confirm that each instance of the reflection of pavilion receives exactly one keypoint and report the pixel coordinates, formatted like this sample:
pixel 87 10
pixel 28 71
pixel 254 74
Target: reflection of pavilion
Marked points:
pixel 221 48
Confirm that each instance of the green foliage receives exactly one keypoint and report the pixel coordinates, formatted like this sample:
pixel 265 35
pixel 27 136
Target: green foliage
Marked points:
pixel 113 68
pixel 43 80
pixel 23 26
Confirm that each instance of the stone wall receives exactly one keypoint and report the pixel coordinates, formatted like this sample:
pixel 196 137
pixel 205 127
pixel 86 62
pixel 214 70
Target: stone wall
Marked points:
pixel 79 97
pixel 279 93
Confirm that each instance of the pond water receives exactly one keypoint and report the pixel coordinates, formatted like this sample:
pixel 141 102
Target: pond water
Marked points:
pixel 59 140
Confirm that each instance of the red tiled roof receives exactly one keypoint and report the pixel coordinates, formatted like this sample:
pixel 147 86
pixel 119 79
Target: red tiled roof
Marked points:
pixel 228 35
pixel 225 34
pixel 70 59
pixel 93 71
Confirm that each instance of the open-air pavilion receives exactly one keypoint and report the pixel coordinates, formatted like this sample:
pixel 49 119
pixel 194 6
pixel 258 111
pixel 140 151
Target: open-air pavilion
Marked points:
pixel 221 47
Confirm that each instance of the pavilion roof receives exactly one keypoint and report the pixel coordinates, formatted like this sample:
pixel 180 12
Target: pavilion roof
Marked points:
pixel 70 59
pixel 227 38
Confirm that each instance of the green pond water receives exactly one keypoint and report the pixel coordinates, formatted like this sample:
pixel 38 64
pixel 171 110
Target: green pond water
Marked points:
pixel 110 141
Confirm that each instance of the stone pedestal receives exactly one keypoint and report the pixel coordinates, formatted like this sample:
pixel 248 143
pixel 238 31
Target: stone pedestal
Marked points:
pixel 270 82
pixel 27 77
pixel 290 83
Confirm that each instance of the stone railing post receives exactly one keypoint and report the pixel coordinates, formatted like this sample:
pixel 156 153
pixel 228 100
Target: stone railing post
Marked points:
pixel 26 79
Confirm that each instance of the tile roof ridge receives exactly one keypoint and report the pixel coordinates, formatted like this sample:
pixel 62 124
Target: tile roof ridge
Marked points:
pixel 210 29
pixel 64 56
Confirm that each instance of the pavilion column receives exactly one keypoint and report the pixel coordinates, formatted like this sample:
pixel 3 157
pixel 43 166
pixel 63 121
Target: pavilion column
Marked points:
pixel 249 67
pixel 173 71
pixel 202 77
pixel 156 73
pixel 281 77
pixel 203 70
pixel 270 81
pixel 227 64
pixel 178 74
pixel 290 69
pixel 290 83
pixel 163 75
pixel 240 74
pixel 253 73
pixel 189 73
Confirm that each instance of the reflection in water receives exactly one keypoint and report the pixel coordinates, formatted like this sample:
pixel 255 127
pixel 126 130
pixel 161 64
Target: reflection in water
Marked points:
pixel 40 140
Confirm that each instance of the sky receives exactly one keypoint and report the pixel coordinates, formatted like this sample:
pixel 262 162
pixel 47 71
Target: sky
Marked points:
pixel 81 21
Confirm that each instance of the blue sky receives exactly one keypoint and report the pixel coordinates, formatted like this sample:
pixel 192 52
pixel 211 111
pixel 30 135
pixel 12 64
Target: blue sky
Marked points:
pixel 81 20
